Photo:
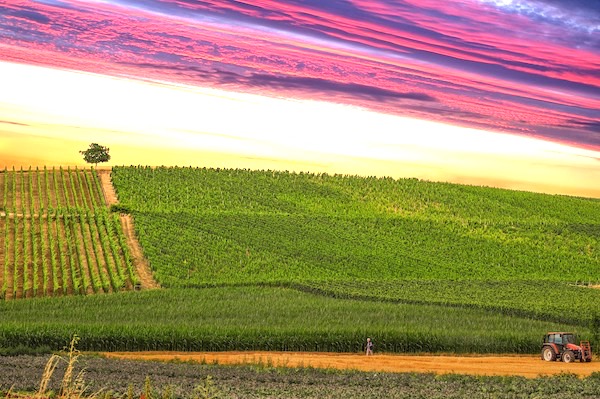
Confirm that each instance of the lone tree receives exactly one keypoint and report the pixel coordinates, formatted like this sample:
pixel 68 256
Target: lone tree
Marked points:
pixel 96 153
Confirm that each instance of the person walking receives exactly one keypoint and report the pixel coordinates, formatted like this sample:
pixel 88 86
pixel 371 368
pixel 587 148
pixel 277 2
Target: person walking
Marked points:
pixel 369 347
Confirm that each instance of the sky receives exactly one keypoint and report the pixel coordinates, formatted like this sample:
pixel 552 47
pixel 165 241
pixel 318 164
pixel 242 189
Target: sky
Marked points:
pixel 501 93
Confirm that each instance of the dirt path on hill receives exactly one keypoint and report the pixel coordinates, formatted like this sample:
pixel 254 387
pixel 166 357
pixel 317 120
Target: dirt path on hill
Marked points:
pixel 529 366
pixel 110 196
pixel 139 262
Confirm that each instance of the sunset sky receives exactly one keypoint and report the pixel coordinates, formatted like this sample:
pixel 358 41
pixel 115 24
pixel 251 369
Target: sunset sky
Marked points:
pixel 490 92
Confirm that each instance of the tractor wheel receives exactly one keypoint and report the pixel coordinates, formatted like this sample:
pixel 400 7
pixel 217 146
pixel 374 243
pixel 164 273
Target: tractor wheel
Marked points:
pixel 568 357
pixel 548 354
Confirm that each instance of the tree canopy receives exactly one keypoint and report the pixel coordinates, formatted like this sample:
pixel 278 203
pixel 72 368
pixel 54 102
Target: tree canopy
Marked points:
pixel 96 153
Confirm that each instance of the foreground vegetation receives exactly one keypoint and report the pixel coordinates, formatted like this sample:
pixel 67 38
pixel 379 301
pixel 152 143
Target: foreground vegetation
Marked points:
pixel 129 379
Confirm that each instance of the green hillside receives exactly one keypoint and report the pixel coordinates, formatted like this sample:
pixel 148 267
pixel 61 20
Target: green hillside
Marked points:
pixel 404 240
pixel 201 226
pixel 285 261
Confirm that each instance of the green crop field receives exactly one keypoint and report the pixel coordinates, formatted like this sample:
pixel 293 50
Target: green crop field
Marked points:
pixel 262 318
pixel 57 236
pixel 297 261
pixel 396 240
pixel 201 226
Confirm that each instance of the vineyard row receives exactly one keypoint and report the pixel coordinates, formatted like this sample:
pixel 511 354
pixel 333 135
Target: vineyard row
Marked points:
pixel 57 236
pixel 31 192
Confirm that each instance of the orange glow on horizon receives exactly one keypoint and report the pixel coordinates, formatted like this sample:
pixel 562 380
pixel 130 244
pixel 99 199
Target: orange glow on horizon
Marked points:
pixel 47 116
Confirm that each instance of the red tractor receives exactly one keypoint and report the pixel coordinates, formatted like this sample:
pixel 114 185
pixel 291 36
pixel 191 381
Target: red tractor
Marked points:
pixel 563 346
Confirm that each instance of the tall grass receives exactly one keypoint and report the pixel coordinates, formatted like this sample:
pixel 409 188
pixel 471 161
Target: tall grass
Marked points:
pixel 72 385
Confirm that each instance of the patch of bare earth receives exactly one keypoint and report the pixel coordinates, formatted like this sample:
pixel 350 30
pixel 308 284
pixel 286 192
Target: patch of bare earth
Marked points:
pixel 139 262
pixel 110 196
pixel 529 366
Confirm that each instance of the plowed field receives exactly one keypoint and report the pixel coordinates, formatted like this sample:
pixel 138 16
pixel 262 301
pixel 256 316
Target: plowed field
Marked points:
pixel 527 366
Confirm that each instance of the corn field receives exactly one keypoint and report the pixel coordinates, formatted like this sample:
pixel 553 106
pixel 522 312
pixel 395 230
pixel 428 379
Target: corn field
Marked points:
pixel 263 318
pixel 57 236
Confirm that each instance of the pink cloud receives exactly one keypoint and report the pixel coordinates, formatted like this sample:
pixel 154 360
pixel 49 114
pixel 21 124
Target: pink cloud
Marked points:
pixel 463 63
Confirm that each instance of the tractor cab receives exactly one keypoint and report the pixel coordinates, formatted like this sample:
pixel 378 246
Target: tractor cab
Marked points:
pixel 564 346
pixel 560 338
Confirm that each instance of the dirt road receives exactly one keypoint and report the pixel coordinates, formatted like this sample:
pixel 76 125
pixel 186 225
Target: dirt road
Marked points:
pixel 109 192
pixel 526 366
pixel 140 263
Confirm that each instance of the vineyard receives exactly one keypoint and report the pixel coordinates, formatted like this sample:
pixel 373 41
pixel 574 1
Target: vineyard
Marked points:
pixel 57 236
pixel 269 260
pixel 235 226
pixel 383 239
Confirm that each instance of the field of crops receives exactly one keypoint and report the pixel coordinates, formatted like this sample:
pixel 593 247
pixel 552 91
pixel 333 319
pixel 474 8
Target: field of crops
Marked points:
pixel 201 226
pixel 57 236
pixel 397 240
pixel 285 261
pixel 158 380
pixel 262 318
pixel 543 300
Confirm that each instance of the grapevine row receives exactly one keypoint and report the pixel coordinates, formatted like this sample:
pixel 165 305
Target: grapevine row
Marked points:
pixel 203 227
pixel 58 236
